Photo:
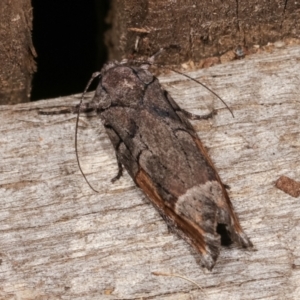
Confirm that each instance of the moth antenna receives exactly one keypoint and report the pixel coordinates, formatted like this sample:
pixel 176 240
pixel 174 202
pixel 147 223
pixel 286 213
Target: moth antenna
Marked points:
pixel 210 90
pixel 151 62
pixel 94 75
pixel 179 276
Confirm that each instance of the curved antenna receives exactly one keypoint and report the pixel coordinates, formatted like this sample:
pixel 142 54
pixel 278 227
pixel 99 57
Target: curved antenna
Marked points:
pixel 210 90
pixel 151 62
pixel 94 75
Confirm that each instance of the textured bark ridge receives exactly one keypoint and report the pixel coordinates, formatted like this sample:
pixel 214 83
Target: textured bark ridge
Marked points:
pixel 16 51
pixel 192 30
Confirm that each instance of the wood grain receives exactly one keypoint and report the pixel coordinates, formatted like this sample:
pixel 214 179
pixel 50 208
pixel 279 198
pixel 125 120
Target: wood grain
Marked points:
pixel 17 52
pixel 60 240
pixel 193 30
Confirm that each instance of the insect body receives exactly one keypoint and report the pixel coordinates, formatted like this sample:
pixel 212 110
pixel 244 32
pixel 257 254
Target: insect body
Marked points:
pixel 161 151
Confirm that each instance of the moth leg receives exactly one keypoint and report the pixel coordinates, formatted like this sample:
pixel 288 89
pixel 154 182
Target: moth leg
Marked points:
pixel 186 113
pixel 85 108
pixel 56 112
pixel 120 173
pixel 226 186
pixel 192 116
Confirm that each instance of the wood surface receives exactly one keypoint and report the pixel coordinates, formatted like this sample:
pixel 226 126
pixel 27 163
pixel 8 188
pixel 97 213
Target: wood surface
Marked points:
pixel 16 51
pixel 193 30
pixel 60 240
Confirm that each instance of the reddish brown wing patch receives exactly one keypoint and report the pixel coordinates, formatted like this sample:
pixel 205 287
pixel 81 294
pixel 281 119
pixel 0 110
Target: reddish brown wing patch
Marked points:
pixel 183 227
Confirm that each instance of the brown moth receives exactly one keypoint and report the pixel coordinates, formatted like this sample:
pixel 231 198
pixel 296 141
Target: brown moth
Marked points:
pixel 161 151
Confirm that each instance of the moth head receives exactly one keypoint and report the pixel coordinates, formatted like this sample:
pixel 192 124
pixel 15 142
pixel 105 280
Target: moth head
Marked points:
pixel 125 85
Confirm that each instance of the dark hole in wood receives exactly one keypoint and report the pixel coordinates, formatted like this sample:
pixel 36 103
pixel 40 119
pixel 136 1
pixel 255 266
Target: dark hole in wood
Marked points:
pixel 69 40
pixel 225 238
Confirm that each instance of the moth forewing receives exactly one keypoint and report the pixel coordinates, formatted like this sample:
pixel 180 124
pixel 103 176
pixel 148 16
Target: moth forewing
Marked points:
pixel 161 151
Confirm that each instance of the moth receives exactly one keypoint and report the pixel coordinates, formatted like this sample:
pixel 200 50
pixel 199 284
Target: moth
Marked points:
pixel 159 148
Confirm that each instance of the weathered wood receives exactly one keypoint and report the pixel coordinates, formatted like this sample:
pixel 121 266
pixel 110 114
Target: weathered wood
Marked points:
pixel 16 51
pixel 60 240
pixel 192 30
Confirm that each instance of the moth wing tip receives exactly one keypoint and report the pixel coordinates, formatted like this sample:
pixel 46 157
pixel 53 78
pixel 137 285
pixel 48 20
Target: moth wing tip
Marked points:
pixel 245 241
pixel 207 261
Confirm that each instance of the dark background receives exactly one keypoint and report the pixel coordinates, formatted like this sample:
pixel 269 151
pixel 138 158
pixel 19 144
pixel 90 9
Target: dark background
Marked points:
pixel 68 38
